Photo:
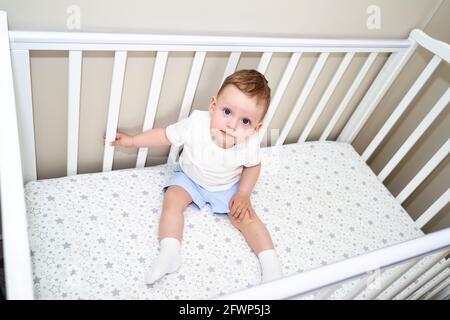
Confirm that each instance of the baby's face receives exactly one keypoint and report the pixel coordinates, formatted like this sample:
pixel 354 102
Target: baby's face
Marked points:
pixel 234 116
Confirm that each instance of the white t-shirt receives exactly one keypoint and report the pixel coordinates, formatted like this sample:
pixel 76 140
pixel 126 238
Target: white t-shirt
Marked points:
pixel 212 167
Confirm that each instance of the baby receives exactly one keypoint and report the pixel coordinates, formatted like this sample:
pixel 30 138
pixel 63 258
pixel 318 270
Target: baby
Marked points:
pixel 220 164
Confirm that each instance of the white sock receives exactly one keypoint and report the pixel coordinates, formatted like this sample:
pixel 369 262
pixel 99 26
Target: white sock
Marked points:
pixel 168 261
pixel 270 266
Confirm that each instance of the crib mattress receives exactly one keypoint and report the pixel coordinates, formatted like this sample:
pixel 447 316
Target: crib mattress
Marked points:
pixel 94 236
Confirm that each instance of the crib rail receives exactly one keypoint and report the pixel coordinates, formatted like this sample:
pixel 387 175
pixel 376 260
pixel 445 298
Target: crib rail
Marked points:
pixel 324 281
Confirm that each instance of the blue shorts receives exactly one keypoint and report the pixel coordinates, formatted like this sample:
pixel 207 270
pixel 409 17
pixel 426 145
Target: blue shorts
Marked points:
pixel 200 196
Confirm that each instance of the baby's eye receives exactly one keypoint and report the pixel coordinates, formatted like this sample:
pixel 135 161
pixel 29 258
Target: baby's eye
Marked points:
pixel 246 121
pixel 226 111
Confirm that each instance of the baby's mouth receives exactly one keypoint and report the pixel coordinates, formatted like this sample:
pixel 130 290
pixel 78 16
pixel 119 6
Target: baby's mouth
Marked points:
pixel 224 133
pixel 227 136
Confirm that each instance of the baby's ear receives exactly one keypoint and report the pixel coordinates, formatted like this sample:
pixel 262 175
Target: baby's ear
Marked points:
pixel 212 103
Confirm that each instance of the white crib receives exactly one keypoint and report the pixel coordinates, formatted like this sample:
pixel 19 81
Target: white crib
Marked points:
pixel 417 268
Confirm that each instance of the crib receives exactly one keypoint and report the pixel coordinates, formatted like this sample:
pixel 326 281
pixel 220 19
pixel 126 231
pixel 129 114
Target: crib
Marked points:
pixel 59 234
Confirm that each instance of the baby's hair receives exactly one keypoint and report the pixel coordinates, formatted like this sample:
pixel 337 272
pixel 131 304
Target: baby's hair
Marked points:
pixel 252 83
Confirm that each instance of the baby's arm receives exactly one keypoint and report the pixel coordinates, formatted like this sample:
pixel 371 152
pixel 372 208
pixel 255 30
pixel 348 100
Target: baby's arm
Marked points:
pixel 149 138
pixel 240 202
pixel 249 177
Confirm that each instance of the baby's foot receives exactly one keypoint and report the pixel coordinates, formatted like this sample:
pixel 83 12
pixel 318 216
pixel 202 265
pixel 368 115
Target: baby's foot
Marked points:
pixel 168 261
pixel 270 266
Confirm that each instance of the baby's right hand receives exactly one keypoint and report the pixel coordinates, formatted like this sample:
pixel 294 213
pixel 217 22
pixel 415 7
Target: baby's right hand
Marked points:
pixel 122 140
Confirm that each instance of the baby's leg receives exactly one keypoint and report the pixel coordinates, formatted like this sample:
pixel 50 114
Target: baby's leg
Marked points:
pixel 176 199
pixel 258 238
pixel 171 222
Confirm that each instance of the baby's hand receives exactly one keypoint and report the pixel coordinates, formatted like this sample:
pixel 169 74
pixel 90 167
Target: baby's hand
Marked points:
pixel 122 140
pixel 240 206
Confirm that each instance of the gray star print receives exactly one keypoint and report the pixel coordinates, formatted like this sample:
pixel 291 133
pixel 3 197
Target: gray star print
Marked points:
pixel 66 245
pixel 108 265
pixel 50 198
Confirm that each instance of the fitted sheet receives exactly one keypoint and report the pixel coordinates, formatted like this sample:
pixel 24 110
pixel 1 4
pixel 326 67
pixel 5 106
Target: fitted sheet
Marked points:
pixel 94 236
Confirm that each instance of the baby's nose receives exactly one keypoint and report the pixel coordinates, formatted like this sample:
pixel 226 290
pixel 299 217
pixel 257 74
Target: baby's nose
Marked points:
pixel 232 124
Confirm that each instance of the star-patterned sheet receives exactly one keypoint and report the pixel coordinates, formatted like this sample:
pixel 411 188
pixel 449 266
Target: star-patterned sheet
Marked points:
pixel 94 236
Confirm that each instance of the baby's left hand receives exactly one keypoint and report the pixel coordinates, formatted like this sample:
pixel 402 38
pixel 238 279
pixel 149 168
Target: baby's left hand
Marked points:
pixel 240 205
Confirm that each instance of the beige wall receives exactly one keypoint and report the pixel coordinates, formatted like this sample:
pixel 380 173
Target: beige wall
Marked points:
pixel 304 18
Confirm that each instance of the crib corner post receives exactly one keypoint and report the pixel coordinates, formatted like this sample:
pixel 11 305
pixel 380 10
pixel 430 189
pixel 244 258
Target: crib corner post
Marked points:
pixel 16 248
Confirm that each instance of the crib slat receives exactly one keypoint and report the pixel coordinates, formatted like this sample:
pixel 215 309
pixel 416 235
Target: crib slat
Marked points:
pixel 433 209
pixel 433 289
pixel 325 293
pixel 326 96
pixel 120 60
pixel 433 271
pixel 356 82
pixel 24 105
pixel 436 290
pixel 387 280
pixel 424 172
pixel 231 65
pixel 302 98
pixel 377 90
pixel 404 103
pixel 194 76
pixel 415 135
pixel 432 284
pixel 152 101
pixel 264 62
pixel 281 88
pixel 442 295
pixel 358 287
pixel 75 60
pixel 419 270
